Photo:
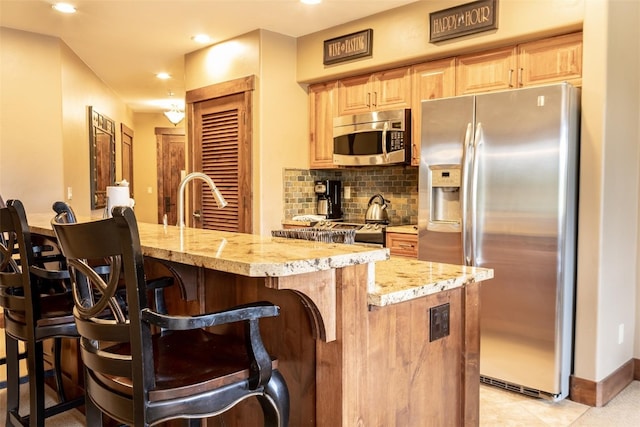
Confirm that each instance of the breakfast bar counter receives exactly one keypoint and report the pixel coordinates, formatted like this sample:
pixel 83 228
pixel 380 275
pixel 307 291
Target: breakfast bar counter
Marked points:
pixel 354 340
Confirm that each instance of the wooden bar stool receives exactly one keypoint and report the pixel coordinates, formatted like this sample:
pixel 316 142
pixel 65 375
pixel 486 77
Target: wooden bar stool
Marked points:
pixel 34 311
pixel 141 378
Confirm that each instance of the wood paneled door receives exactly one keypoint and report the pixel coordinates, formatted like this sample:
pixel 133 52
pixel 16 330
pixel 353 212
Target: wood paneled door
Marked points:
pixel 171 162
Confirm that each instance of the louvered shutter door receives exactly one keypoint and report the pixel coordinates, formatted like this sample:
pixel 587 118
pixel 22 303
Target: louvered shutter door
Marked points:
pixel 220 133
pixel 221 152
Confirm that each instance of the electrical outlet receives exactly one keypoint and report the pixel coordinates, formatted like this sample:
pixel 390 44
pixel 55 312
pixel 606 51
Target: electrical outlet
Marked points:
pixel 347 192
pixel 438 322
pixel 69 193
pixel 620 333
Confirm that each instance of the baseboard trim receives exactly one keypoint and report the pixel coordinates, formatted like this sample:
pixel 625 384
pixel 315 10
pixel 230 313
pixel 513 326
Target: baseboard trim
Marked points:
pixel 600 393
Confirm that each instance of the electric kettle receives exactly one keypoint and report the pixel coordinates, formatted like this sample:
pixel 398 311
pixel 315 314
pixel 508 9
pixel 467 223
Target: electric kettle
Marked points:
pixel 377 211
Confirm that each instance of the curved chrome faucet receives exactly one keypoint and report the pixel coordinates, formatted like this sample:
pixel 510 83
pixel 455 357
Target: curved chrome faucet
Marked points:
pixel 220 201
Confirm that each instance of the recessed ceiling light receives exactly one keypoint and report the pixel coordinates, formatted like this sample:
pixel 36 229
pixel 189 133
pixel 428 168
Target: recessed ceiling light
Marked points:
pixel 201 38
pixel 64 7
pixel 310 1
pixel 163 76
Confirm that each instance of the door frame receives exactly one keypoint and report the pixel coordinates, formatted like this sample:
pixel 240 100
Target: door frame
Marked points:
pixel 126 138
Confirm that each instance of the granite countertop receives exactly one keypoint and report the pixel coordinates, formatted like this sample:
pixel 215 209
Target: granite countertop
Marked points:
pixel 406 229
pixel 402 279
pixel 239 253
pixel 394 279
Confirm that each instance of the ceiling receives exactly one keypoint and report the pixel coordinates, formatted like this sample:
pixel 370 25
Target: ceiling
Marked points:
pixel 126 42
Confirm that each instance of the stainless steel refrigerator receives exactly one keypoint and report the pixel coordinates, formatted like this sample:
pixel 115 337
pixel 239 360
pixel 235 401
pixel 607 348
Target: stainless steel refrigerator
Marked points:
pixel 498 189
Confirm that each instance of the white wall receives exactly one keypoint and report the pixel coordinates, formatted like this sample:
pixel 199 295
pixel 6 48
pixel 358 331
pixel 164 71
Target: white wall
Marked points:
pixel 607 243
pixel 284 124
pixel 401 36
pixel 31 153
pixel 81 88
pixel 45 90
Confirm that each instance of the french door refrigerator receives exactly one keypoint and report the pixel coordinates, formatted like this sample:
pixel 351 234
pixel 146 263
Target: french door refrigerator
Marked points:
pixel 498 189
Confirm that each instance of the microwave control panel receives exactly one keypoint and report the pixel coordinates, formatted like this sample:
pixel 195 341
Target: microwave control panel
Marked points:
pixel 397 140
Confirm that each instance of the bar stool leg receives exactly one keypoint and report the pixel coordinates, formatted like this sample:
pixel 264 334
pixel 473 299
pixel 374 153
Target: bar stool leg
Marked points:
pixel 36 384
pixel 13 378
pixel 57 367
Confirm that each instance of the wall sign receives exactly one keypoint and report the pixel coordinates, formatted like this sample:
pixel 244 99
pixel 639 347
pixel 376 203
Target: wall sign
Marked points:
pixel 458 21
pixel 346 48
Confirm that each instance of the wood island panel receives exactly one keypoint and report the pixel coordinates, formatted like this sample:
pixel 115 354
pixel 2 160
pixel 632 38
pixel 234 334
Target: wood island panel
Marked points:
pixel 381 370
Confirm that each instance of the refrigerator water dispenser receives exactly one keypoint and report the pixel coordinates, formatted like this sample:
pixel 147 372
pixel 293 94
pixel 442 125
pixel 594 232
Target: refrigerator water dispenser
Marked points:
pixel 445 196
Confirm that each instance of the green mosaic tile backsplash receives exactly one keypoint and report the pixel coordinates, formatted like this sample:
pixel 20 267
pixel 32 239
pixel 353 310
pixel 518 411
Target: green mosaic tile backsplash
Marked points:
pixel 397 184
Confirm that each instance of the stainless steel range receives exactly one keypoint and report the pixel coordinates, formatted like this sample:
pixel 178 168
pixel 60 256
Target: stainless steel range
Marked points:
pixel 370 234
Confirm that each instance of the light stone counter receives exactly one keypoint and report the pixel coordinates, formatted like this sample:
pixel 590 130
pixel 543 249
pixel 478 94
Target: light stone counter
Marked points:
pixel 394 280
pixel 249 255
pixel 403 279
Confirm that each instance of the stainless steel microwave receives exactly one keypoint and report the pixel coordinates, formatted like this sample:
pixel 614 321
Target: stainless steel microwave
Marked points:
pixel 376 138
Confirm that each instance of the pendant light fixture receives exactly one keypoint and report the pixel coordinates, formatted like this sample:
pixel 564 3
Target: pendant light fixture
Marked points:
pixel 175 115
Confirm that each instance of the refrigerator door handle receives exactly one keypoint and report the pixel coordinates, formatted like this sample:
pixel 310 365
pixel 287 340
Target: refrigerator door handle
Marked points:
pixel 467 150
pixel 473 195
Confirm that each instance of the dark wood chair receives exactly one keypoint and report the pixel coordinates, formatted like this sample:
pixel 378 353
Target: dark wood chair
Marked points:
pixel 141 378
pixel 156 286
pixel 34 311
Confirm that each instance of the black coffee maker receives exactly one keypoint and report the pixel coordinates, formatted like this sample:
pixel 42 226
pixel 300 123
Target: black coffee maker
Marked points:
pixel 329 198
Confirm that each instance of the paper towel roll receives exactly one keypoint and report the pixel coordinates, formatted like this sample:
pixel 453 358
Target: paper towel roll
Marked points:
pixel 118 196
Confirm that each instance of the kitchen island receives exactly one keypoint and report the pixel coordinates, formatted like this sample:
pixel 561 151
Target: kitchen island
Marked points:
pixel 355 338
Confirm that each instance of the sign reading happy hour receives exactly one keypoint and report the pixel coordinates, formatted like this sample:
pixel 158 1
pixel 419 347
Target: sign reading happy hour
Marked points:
pixel 346 48
pixel 458 21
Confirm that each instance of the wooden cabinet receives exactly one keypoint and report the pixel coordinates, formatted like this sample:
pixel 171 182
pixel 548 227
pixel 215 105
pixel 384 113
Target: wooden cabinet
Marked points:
pixel 431 80
pixel 551 60
pixel 543 61
pixel 379 91
pixel 486 71
pixel 321 113
pixel 538 62
pixel 403 244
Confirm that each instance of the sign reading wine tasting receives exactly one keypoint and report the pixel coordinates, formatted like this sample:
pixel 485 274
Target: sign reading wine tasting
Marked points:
pixel 346 48
pixel 458 21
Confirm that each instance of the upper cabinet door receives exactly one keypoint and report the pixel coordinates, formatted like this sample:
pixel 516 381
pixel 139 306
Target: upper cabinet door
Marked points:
pixel 354 95
pixel 551 60
pixel 321 113
pixel 430 80
pixel 372 92
pixel 391 89
pixel 486 71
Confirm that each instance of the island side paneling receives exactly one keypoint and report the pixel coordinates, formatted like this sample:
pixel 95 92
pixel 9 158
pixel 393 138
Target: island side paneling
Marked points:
pixel 381 370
